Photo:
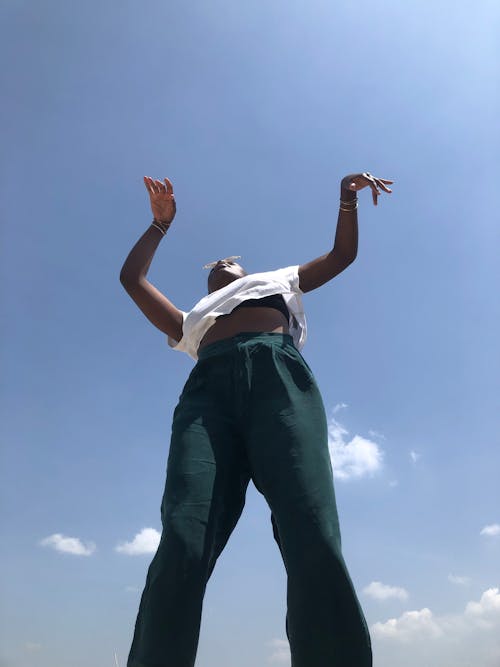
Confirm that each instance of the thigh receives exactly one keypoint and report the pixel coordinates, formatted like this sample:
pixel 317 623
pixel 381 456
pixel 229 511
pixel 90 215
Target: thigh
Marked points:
pixel 288 449
pixel 207 473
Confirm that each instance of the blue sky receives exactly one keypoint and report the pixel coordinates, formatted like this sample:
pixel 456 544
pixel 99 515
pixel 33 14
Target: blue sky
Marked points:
pixel 255 111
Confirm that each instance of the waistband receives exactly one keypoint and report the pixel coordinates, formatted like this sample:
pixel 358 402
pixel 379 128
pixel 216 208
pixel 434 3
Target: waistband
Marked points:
pixel 235 342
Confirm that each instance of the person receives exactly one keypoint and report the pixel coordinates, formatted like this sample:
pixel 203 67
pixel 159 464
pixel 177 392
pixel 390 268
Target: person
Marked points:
pixel 250 410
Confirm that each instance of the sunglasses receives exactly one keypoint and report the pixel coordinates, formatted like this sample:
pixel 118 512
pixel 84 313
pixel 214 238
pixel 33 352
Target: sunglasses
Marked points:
pixel 231 259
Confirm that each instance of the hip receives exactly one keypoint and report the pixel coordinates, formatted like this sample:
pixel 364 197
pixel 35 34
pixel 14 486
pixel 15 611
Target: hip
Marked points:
pixel 260 370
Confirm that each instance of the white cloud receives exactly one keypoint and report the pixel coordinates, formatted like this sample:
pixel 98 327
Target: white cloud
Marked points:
pixel 487 610
pixel 467 639
pixel 145 542
pixel 339 406
pixel 414 456
pixel 281 650
pixel 376 434
pixel 461 581
pixel 380 591
pixel 491 530
pixel 415 625
pixel 354 459
pixel 410 626
pixel 68 545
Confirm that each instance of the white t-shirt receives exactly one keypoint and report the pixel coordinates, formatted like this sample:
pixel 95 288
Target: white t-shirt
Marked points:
pixel 254 286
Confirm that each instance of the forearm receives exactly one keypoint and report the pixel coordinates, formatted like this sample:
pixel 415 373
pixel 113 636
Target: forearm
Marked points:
pixel 346 235
pixel 319 271
pixel 140 257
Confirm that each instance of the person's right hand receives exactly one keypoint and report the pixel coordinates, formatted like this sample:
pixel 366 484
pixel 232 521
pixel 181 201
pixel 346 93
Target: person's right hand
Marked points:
pixel 162 199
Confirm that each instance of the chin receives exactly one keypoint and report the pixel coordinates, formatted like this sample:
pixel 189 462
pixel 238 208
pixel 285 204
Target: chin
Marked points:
pixel 222 281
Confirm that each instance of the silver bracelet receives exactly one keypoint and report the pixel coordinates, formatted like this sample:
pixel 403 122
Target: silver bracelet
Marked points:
pixel 162 226
pixel 158 227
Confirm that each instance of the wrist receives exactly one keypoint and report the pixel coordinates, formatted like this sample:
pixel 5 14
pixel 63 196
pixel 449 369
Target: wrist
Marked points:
pixel 161 226
pixel 346 194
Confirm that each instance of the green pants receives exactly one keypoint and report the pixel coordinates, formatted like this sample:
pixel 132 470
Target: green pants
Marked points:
pixel 250 409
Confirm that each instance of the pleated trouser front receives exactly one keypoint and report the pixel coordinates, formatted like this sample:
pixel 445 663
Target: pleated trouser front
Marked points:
pixel 250 409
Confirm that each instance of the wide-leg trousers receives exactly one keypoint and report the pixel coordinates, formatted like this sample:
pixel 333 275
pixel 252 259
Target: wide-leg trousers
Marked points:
pixel 250 409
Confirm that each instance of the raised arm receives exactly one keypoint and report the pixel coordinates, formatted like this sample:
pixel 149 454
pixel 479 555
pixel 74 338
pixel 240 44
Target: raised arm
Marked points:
pixel 319 271
pixel 156 307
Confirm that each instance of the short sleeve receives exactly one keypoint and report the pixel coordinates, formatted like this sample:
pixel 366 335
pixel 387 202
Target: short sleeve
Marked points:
pixel 171 341
pixel 290 276
pixel 294 279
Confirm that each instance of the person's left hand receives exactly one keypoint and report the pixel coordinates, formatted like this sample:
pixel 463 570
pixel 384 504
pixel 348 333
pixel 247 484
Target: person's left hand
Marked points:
pixel 359 181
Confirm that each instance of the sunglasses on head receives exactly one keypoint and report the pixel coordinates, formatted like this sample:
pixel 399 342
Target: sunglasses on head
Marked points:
pixel 211 265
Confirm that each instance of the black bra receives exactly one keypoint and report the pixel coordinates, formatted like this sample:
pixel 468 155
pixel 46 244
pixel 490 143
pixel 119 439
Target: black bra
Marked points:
pixel 274 301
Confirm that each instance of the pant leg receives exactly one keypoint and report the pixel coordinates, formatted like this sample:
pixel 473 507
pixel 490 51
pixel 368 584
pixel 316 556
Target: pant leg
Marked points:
pixel 207 477
pixel 287 442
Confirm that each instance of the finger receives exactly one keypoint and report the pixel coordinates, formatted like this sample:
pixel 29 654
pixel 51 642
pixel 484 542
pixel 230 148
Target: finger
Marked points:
pixel 170 187
pixel 380 184
pixel 368 180
pixel 385 180
pixel 153 186
pixel 160 186
pixel 374 184
pixel 147 183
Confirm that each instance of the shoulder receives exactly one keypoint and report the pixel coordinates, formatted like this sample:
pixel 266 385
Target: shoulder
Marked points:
pixel 288 275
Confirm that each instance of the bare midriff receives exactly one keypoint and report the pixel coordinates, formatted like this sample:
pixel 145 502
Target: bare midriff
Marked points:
pixel 264 319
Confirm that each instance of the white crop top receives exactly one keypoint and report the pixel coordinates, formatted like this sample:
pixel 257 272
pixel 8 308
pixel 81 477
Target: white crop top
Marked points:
pixel 202 316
